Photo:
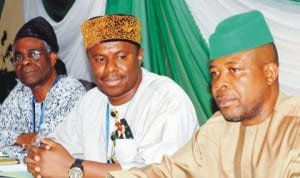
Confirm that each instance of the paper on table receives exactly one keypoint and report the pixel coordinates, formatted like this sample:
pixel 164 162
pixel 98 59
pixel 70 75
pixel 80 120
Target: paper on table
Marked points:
pixel 16 174
pixel 2 154
pixel 13 170
pixel 8 161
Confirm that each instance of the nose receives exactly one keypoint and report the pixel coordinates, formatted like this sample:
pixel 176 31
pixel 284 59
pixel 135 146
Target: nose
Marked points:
pixel 220 82
pixel 26 60
pixel 111 66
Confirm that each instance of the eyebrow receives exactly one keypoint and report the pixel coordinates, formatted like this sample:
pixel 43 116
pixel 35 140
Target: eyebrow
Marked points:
pixel 227 63
pixel 30 49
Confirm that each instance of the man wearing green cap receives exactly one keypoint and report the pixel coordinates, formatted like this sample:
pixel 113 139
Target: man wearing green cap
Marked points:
pixel 256 132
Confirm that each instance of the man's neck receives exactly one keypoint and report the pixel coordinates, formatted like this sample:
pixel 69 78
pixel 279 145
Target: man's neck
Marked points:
pixel 40 92
pixel 266 111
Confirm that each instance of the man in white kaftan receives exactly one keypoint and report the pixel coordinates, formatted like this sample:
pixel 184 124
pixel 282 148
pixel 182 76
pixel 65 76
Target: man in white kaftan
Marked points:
pixel 160 115
pixel 132 118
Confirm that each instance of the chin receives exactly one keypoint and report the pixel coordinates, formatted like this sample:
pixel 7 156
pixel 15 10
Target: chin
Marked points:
pixel 111 93
pixel 233 119
pixel 231 116
pixel 29 83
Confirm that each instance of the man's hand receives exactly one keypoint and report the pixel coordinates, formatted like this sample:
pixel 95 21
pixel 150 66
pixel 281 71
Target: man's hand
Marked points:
pixel 51 159
pixel 26 139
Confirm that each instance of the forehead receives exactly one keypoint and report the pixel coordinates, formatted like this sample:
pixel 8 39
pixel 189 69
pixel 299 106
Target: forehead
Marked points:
pixel 28 42
pixel 112 46
pixel 243 57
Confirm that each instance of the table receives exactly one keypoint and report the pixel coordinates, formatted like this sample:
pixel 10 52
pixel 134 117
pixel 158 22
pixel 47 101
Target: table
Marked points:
pixel 14 171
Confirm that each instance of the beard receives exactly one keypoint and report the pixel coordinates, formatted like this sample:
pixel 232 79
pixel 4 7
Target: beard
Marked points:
pixel 241 113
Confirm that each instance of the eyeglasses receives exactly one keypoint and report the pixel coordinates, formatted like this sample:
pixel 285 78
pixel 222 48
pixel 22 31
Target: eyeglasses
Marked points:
pixel 33 54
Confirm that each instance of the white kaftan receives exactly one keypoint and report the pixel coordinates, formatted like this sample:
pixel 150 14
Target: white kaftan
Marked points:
pixel 161 117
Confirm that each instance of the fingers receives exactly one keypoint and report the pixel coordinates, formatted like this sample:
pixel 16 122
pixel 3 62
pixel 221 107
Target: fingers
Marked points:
pixel 26 146
pixel 36 158
pixel 32 161
pixel 36 174
pixel 33 149
pixel 37 169
pixel 33 154
pixel 46 147
pixel 33 169
pixel 48 141
pixel 28 160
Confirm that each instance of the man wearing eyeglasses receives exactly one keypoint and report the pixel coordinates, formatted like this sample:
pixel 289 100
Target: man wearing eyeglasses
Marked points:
pixel 42 98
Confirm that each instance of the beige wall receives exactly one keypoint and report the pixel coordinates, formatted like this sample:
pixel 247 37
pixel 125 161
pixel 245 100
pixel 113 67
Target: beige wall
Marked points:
pixel 11 20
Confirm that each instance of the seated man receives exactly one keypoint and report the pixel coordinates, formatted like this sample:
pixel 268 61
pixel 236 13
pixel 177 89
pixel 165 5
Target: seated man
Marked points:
pixel 41 99
pixel 256 133
pixel 130 119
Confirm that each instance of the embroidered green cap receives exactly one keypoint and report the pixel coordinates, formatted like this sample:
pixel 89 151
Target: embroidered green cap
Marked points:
pixel 238 33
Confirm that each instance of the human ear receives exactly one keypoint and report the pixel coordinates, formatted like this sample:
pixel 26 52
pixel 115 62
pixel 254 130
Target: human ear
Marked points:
pixel 140 55
pixel 271 72
pixel 53 58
